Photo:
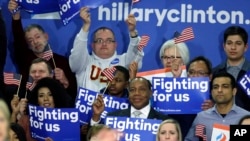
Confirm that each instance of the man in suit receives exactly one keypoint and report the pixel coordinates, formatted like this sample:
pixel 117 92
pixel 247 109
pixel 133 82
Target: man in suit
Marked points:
pixel 139 96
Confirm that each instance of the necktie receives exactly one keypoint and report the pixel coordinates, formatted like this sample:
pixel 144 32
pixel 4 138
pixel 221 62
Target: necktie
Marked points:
pixel 137 114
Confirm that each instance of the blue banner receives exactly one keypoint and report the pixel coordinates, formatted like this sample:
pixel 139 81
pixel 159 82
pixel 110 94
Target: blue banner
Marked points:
pixel 134 129
pixel 54 123
pixel 244 82
pixel 179 95
pixel 39 6
pixel 85 99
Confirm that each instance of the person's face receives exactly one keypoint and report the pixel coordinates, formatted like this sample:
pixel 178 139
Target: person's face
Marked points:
pixel 104 44
pixel 13 136
pixel 39 70
pixel 246 122
pixel 222 91
pixel 37 40
pixel 168 132
pixel 118 84
pixel 3 127
pixel 234 47
pixel 45 98
pixel 198 69
pixel 170 54
pixel 139 93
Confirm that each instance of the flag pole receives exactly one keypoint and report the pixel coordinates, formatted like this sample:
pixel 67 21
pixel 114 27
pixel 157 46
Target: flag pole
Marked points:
pixel 52 57
pixel 19 85
pixel 105 88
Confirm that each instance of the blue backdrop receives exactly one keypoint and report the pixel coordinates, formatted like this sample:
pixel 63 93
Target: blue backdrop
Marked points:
pixel 159 19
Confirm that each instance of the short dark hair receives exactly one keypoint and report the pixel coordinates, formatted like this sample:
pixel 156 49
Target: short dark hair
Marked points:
pixel 60 95
pixel 102 28
pixel 32 26
pixel 124 71
pixel 147 81
pixel 205 60
pixel 40 60
pixel 236 30
pixel 223 74
pixel 244 118
pixel 19 131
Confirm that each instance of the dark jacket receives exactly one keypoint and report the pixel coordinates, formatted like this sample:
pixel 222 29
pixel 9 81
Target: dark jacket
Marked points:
pixel 241 98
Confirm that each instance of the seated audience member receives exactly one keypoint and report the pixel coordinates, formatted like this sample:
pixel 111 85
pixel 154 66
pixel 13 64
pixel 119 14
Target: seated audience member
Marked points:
pixel 169 130
pixel 118 86
pixel 5 121
pixel 225 111
pixel 48 93
pixel 101 132
pixel 174 54
pixel 104 54
pixel 245 120
pixel 139 96
pixel 32 43
pixel 17 133
pixel 235 44
pixel 197 67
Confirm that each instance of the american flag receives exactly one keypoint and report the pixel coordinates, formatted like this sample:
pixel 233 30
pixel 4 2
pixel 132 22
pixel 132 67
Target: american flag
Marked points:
pixel 143 42
pixel 12 78
pixel 47 53
pixel 200 131
pixel 109 73
pixel 135 1
pixel 186 34
pixel 30 84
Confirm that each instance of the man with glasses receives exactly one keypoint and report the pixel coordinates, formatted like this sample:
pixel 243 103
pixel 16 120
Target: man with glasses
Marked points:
pixel 88 67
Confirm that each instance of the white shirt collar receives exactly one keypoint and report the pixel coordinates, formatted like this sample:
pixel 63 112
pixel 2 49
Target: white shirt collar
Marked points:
pixel 145 111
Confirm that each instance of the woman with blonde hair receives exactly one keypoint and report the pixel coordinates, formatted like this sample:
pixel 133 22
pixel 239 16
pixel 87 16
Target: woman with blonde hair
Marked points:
pixel 4 120
pixel 169 130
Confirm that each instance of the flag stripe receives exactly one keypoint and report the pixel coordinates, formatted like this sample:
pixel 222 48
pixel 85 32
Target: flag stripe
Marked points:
pixel 30 84
pixel 200 131
pixel 109 73
pixel 143 42
pixel 12 78
pixel 187 34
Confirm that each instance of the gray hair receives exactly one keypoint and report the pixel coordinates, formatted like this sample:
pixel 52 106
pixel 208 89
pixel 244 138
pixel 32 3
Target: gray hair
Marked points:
pixel 181 47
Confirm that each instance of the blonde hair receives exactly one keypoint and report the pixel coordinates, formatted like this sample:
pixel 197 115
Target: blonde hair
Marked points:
pixel 177 126
pixel 6 113
pixel 95 129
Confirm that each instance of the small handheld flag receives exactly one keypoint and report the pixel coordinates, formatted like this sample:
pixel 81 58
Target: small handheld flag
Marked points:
pixel 109 73
pixel 12 78
pixel 30 84
pixel 143 42
pixel 200 131
pixel 186 34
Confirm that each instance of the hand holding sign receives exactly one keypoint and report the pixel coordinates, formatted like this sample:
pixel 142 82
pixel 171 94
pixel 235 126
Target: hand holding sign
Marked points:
pixel 131 22
pixel 98 107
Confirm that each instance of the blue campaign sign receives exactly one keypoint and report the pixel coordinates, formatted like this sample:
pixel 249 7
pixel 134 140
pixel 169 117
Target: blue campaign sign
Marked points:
pixel 160 20
pixel 244 82
pixel 85 99
pixel 179 95
pixel 68 10
pixel 39 6
pixel 54 123
pixel 134 129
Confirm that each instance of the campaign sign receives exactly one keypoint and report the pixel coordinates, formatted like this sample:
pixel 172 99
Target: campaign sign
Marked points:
pixel 220 132
pixel 68 10
pixel 244 82
pixel 134 129
pixel 39 6
pixel 165 72
pixel 85 99
pixel 239 132
pixel 179 95
pixel 54 123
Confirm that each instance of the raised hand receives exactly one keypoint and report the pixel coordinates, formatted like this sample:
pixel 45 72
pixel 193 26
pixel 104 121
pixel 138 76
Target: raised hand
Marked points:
pixel 98 107
pixel 60 75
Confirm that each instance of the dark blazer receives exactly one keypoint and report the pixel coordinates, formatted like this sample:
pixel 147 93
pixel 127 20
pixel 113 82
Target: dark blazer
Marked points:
pixel 153 114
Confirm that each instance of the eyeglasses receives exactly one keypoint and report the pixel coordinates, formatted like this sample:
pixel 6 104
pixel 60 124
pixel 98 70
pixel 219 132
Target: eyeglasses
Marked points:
pixel 197 73
pixel 101 41
pixel 170 57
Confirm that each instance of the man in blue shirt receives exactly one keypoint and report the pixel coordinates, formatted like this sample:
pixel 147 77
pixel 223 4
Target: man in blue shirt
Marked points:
pixel 225 111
